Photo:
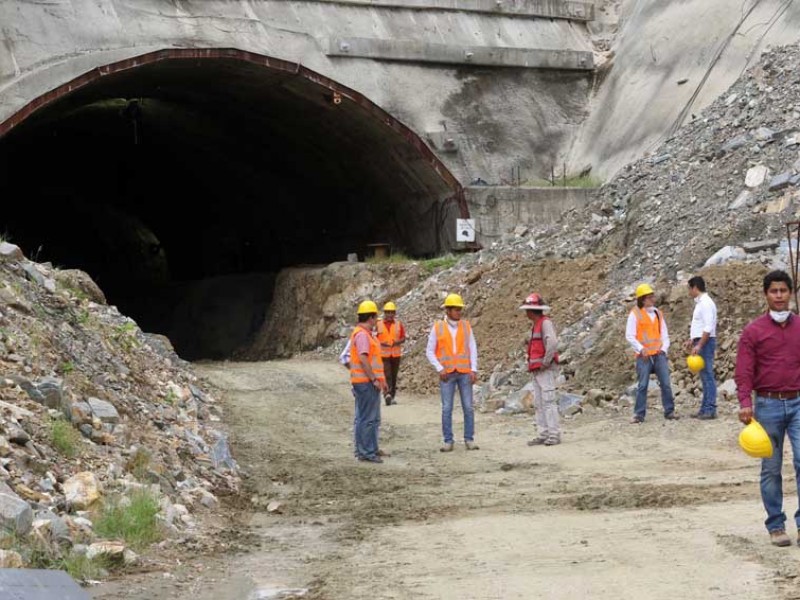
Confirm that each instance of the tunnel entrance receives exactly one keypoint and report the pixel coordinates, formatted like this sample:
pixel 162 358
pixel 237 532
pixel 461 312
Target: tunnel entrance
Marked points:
pixel 184 180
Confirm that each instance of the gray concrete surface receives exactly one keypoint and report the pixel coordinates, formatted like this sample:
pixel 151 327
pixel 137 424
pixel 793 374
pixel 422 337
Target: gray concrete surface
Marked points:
pixel 638 102
pixel 497 210
pixel 497 116
pixel 554 9
pixel 421 52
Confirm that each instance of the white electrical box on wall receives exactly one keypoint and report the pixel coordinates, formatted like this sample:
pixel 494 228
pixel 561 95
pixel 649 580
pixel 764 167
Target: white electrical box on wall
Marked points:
pixel 465 230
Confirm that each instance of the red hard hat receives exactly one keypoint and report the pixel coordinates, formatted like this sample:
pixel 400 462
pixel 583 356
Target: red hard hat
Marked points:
pixel 534 301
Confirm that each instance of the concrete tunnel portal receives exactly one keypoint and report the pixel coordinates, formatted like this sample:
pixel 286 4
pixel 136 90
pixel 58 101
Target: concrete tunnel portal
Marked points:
pixel 182 181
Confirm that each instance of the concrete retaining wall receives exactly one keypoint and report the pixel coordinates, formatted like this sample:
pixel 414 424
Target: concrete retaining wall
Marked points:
pixel 499 209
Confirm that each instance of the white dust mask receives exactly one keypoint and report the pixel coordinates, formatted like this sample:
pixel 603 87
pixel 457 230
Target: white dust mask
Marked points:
pixel 779 316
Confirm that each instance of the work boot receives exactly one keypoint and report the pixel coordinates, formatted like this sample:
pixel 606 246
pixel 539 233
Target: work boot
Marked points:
pixel 388 400
pixel 671 417
pixel 448 447
pixel 637 419
pixel 779 538
pixel 383 453
pixel 553 441
pixel 471 445
pixel 539 441
pixel 372 459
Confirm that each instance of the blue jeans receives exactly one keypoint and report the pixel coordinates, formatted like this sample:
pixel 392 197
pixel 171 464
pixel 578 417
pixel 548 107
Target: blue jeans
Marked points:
pixel 779 417
pixel 709 404
pixel 367 419
pixel 447 389
pixel 653 364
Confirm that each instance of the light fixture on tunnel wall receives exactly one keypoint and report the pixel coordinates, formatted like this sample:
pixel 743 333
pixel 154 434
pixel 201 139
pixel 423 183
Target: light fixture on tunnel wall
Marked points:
pixel 336 98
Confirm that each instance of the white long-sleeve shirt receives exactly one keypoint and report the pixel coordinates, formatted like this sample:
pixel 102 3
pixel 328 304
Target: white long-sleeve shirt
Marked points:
pixel 630 331
pixel 704 318
pixel 430 350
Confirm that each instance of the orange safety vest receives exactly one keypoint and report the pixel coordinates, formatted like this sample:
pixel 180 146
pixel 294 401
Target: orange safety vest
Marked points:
pixel 648 331
pixel 357 372
pixel 388 335
pixel 444 347
pixel 536 349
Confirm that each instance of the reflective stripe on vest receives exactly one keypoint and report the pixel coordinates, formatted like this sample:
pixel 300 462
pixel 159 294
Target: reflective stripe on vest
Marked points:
pixel 386 336
pixel 648 331
pixel 357 372
pixel 444 347
pixel 536 349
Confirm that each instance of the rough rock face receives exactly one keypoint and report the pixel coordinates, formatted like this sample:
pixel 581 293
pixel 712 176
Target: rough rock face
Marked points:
pixel 661 220
pixel 92 408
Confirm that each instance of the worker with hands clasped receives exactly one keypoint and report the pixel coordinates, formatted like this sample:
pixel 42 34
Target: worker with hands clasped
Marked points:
pixel 543 366
pixel 368 381
pixel 768 363
pixel 453 353
pixel 647 334
pixel 391 335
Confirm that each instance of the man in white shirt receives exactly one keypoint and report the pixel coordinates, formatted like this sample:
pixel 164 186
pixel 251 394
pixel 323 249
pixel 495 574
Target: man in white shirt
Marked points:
pixel 703 342
pixel 647 334
pixel 453 353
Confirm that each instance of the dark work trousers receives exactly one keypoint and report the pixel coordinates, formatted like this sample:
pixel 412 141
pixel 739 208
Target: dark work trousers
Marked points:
pixel 391 366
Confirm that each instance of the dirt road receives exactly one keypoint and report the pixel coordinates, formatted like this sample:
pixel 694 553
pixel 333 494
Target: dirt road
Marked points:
pixel 661 510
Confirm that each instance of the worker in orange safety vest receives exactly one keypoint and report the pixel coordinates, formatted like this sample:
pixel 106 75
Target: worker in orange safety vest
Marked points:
pixel 648 336
pixel 453 353
pixel 391 334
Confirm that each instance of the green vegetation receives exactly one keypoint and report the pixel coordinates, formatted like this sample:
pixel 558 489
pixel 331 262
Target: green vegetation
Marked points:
pixel 67 367
pixel 131 518
pixel 438 263
pixel 65 438
pixel 394 258
pixel 37 553
pixel 572 181
pixel 125 336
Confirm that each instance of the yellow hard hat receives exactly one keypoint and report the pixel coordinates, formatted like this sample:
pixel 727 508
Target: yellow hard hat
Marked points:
pixel 695 363
pixel 367 307
pixel 755 441
pixel 644 289
pixel 389 306
pixel 454 301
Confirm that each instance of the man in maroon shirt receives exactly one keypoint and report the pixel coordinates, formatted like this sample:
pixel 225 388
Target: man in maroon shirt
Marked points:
pixel 768 363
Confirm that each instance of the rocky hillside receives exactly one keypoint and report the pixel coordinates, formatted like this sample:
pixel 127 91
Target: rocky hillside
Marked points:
pixel 713 200
pixel 97 420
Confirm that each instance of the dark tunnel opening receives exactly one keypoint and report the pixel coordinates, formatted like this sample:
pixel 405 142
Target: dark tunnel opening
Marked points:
pixel 183 181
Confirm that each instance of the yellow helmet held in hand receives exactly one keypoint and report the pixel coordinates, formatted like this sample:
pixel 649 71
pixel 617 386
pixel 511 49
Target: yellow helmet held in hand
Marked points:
pixel 367 307
pixel 453 301
pixel 390 307
pixel 644 289
pixel 755 441
pixel 695 363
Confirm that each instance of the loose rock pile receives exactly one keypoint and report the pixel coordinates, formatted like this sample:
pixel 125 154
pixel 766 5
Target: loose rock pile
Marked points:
pixel 91 409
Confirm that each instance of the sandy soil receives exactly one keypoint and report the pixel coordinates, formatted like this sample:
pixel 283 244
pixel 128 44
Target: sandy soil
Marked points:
pixel 661 510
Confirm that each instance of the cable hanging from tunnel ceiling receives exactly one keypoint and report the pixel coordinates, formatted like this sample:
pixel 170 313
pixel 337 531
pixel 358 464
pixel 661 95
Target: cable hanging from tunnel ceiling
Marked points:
pixel 133 112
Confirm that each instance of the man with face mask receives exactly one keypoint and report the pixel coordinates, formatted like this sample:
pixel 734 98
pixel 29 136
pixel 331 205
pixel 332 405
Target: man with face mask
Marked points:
pixel 768 363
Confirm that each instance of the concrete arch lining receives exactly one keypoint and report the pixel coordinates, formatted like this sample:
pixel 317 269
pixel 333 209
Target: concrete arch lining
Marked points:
pixel 338 93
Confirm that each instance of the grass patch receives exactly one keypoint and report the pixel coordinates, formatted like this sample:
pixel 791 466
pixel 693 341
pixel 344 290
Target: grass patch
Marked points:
pixel 395 257
pixel 438 263
pixel 131 518
pixel 36 553
pixel 125 336
pixel 65 438
pixel 574 181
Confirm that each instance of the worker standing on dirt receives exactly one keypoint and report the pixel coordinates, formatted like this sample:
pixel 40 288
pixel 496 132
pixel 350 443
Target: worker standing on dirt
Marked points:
pixel 391 335
pixel 368 381
pixel 453 353
pixel 543 366
pixel 647 334
pixel 768 362
pixel 703 341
